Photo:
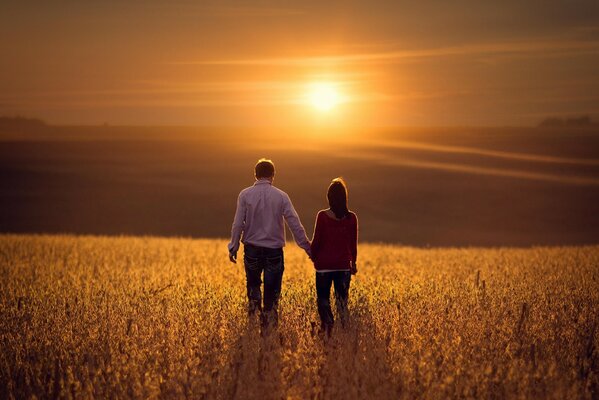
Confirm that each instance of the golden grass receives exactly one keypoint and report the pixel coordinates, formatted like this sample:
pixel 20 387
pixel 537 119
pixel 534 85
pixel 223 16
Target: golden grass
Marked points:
pixel 148 317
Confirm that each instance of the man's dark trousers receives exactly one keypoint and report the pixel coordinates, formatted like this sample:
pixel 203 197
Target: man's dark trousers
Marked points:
pixel 271 261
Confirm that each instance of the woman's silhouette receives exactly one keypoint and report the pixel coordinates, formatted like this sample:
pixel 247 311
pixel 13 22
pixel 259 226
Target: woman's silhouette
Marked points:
pixel 334 252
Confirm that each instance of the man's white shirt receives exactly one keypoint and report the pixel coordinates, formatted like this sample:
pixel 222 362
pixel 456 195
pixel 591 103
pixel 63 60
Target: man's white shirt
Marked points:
pixel 259 219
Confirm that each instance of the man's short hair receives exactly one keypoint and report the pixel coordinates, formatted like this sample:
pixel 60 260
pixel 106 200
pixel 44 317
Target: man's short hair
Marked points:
pixel 265 168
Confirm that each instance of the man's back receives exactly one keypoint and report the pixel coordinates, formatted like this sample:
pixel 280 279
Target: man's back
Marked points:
pixel 261 209
pixel 263 215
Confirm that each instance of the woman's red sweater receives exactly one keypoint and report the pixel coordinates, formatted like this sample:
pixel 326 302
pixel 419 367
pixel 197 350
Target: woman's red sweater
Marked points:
pixel 335 242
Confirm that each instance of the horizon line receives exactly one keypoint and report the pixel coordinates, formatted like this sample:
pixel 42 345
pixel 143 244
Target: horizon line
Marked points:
pixel 382 243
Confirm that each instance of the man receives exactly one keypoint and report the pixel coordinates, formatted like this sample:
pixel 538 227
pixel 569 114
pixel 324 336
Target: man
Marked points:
pixel 258 222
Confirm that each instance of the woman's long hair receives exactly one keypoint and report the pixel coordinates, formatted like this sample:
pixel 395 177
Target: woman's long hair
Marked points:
pixel 337 196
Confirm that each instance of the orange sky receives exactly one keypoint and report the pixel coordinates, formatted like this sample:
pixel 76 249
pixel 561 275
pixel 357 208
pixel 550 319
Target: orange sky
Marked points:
pixel 251 63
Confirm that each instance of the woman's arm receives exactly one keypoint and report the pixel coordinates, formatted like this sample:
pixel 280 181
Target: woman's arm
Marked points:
pixel 354 240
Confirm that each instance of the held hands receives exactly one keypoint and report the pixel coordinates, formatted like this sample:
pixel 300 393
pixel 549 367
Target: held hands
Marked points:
pixel 353 268
pixel 309 253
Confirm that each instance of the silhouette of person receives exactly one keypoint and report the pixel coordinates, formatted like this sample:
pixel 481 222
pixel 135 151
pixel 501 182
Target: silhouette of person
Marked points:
pixel 334 252
pixel 259 220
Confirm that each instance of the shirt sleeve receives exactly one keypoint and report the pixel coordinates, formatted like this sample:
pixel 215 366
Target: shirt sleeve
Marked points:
pixel 238 225
pixel 295 225
pixel 318 235
pixel 354 239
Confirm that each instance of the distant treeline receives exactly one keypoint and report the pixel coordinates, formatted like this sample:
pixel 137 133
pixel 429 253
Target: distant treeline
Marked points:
pixel 25 124
pixel 21 124
pixel 582 121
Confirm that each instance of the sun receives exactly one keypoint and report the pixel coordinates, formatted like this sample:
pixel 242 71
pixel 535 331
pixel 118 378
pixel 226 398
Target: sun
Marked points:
pixel 324 96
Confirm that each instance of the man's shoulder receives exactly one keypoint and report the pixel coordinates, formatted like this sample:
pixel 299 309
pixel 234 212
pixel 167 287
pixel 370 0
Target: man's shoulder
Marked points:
pixel 274 190
pixel 244 192
pixel 279 192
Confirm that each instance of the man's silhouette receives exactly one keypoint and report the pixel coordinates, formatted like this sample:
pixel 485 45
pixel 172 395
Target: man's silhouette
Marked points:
pixel 259 223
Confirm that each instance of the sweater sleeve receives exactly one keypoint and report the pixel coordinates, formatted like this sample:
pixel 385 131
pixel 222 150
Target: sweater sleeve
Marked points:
pixel 317 236
pixel 354 239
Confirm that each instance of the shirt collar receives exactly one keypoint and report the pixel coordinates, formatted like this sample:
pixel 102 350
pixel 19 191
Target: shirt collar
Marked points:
pixel 262 182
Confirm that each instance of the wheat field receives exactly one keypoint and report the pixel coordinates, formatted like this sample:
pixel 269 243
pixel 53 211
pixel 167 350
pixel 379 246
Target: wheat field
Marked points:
pixel 131 317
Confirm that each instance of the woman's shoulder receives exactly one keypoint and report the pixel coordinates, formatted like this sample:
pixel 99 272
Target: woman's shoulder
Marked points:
pixel 353 216
pixel 321 213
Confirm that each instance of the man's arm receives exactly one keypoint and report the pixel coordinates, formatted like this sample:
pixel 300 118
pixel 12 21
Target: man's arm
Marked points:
pixel 237 228
pixel 295 225
pixel 317 238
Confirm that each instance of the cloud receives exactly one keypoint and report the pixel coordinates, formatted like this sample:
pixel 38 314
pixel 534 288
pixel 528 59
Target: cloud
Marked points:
pixel 195 9
pixel 398 144
pixel 169 94
pixel 248 12
pixel 384 158
pixel 471 169
pixel 202 10
pixel 529 48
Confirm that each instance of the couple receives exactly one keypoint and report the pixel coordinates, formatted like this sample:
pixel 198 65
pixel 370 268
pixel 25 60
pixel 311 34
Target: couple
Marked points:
pixel 258 222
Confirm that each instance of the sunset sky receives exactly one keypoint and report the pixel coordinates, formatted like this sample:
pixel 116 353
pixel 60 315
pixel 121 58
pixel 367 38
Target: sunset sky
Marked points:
pixel 428 63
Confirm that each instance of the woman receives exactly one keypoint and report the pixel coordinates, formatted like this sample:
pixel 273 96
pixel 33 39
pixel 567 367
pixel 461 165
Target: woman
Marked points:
pixel 334 251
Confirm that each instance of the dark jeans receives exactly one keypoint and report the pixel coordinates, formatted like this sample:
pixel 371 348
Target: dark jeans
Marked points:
pixel 341 280
pixel 271 261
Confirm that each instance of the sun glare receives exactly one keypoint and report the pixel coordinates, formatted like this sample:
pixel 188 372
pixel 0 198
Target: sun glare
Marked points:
pixel 324 96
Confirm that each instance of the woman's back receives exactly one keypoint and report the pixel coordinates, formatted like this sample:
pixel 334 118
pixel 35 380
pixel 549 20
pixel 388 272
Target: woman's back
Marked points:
pixel 334 245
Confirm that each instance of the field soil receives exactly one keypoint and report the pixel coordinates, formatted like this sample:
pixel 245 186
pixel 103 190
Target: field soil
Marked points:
pixel 422 187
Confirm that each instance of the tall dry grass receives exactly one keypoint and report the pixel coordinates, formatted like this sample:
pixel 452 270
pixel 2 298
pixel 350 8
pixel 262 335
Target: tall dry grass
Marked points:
pixel 100 317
